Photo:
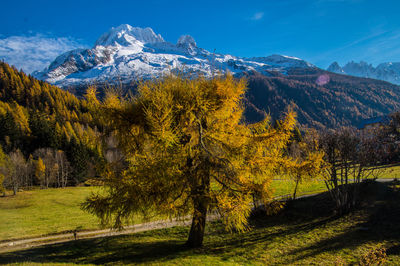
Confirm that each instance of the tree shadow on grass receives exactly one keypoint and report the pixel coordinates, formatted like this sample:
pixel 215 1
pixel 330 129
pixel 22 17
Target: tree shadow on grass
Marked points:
pixel 163 245
pixel 379 221
pixel 248 245
pixel 381 225
pixel 117 249
pixel 302 215
pixel 167 244
pixel 348 240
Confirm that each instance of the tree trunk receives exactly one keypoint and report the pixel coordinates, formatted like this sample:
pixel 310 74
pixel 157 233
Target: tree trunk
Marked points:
pixel 196 233
pixel 295 188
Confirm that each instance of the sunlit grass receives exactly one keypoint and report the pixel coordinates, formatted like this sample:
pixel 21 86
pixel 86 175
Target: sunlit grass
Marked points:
pixel 285 187
pixel 390 172
pixel 305 233
pixel 49 211
pixel 41 212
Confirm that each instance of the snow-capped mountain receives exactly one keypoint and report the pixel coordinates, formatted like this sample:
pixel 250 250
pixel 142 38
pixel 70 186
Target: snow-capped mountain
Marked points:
pixel 386 71
pixel 336 68
pixel 125 53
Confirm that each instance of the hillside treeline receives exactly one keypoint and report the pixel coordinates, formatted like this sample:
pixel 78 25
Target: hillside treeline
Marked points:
pixel 41 122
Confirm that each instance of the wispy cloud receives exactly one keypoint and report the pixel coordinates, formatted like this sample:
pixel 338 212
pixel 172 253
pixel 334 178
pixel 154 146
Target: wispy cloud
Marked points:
pixel 380 45
pixel 257 16
pixel 35 52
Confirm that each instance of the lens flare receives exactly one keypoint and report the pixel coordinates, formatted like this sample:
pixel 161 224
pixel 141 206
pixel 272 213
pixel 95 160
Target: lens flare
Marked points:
pixel 323 79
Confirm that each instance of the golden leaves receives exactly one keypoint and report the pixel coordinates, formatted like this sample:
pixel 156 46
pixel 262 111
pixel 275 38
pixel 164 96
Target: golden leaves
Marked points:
pixel 185 141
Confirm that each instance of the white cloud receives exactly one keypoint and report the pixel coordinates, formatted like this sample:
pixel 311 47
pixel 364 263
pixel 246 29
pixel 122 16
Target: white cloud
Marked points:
pixel 257 16
pixel 35 52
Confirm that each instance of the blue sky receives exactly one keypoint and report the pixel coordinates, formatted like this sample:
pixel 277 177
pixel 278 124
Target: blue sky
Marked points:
pixel 32 33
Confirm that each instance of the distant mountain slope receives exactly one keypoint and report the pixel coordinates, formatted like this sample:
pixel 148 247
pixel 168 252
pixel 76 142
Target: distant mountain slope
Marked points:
pixel 323 99
pixel 336 101
pixel 126 53
pixel 389 72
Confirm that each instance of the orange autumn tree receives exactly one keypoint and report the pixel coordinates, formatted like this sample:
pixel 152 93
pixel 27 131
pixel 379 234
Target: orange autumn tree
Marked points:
pixel 188 150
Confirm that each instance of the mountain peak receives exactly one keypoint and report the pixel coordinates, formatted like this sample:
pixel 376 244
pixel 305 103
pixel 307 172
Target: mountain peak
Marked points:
pixel 336 68
pixel 187 43
pixel 126 35
pixel 125 53
pixel 283 60
pixel 389 71
pixel 186 40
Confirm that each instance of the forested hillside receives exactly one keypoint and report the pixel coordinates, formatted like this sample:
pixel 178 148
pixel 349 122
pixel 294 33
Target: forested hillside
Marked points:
pixel 322 99
pixel 41 122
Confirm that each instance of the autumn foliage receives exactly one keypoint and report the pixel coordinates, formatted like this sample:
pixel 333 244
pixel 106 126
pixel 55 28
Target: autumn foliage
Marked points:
pixel 35 115
pixel 188 150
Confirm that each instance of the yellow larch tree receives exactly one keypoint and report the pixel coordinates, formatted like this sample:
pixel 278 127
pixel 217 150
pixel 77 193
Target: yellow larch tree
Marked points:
pixel 188 150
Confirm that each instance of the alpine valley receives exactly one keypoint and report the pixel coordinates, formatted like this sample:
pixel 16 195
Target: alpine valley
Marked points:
pixel 321 98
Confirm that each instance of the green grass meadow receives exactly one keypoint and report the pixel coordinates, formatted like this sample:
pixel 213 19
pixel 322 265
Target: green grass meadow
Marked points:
pixel 42 212
pixel 304 233
pixel 50 211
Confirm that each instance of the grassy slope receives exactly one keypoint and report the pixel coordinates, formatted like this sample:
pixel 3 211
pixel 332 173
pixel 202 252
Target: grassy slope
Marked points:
pixel 42 212
pixel 304 233
pixel 38 212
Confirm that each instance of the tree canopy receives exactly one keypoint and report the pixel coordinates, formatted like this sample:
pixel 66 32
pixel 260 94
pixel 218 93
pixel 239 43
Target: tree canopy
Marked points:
pixel 187 150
